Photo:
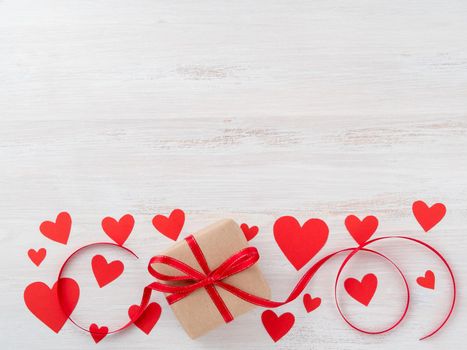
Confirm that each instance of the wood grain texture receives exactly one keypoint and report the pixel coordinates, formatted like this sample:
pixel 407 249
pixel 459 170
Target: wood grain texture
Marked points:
pixel 249 110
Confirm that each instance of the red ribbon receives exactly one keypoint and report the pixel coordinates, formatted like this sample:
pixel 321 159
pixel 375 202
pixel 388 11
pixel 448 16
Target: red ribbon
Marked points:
pixel 207 279
pixel 144 299
pixel 245 258
pixel 193 280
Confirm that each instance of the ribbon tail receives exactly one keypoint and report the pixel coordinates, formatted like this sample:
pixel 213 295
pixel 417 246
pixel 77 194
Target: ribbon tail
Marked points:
pixel 299 287
pixel 145 298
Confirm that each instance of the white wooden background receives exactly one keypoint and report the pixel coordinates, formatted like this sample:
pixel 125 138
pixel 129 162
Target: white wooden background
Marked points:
pixel 242 109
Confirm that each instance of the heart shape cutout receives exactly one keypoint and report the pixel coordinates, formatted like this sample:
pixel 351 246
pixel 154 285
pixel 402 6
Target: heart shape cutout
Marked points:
pixel 170 226
pixel 120 230
pixel 249 232
pixel 148 319
pixel 427 281
pixel 98 333
pixel 311 303
pixel 361 230
pixel 277 326
pixel 300 243
pixel 105 272
pixel 43 301
pixel 37 256
pixel 427 216
pixel 362 291
pixel 58 231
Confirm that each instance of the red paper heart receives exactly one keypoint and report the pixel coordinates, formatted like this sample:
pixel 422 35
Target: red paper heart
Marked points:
pixel 148 319
pixel 119 230
pixel 58 231
pixel 43 301
pixel 427 281
pixel 362 291
pixel 249 232
pixel 427 216
pixel 170 226
pixel 98 333
pixel 37 256
pixel 300 243
pixel 361 230
pixel 311 303
pixel 106 272
pixel 277 326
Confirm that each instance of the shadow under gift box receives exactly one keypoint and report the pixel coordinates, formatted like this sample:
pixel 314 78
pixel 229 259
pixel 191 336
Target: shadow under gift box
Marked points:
pixel 197 312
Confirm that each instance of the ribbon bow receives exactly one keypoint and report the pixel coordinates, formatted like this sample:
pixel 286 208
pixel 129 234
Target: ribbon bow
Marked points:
pixel 192 279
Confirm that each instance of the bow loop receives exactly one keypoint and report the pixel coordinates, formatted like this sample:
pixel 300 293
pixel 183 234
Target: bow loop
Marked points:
pixel 237 263
pixel 190 274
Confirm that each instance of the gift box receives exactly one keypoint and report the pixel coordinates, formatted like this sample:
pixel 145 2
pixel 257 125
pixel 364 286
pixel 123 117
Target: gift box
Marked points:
pixel 198 312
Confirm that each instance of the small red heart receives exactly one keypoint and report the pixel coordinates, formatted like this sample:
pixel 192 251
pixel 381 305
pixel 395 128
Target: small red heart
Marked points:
pixel 106 272
pixel 361 230
pixel 170 226
pixel 277 326
pixel 311 303
pixel 119 230
pixel 427 216
pixel 148 319
pixel 362 291
pixel 43 301
pixel 249 232
pixel 37 256
pixel 427 281
pixel 58 231
pixel 98 333
pixel 300 243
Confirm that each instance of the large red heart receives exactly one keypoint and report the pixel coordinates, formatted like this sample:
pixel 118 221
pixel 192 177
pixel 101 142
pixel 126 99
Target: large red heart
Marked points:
pixel 106 272
pixel 170 226
pixel 311 303
pixel 37 256
pixel 362 291
pixel 427 281
pixel 427 216
pixel 148 319
pixel 43 301
pixel 58 231
pixel 98 333
pixel 300 243
pixel 249 232
pixel 119 230
pixel 361 230
pixel 277 326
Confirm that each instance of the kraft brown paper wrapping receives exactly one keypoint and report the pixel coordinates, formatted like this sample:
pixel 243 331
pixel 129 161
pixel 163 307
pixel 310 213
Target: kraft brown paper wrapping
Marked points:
pixel 197 312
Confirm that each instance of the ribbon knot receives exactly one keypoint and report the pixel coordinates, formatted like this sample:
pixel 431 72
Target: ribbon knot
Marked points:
pixel 191 279
pixel 210 280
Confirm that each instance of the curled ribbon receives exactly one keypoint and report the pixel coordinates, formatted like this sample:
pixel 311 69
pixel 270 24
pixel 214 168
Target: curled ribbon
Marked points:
pixel 247 257
pixel 144 299
pixel 211 279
